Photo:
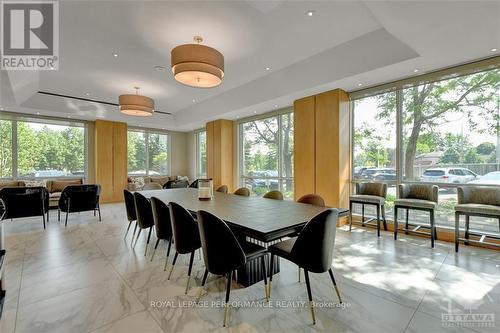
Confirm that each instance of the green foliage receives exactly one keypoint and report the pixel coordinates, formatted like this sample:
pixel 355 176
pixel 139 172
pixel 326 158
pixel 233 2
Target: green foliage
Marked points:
pixel 5 148
pixel 485 148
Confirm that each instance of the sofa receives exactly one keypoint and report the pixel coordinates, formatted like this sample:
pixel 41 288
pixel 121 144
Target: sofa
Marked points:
pixel 12 183
pixel 137 183
pixel 55 187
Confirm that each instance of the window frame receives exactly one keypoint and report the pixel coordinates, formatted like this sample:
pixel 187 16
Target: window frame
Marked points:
pixel 15 118
pixel 397 88
pixel 240 137
pixel 147 132
pixel 198 153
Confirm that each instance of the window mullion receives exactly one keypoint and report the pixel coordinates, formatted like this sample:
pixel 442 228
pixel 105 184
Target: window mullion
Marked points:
pixel 14 147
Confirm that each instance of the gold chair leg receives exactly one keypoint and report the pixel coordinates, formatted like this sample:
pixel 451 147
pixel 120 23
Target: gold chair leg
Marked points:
pixel 269 289
pixel 226 307
pixel 338 293
pixel 311 306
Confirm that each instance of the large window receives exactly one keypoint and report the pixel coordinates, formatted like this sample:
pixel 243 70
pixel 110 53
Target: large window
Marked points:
pixel 449 135
pixel 39 148
pixel 148 153
pixel 266 148
pixel 201 154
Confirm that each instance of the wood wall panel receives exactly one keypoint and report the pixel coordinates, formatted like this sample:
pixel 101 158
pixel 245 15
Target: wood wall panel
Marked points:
pixel 304 146
pixel 322 135
pixel 110 159
pixel 220 166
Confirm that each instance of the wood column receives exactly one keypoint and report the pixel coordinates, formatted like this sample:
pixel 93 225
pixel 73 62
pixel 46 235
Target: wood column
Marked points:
pixel 110 159
pixel 322 147
pixel 220 150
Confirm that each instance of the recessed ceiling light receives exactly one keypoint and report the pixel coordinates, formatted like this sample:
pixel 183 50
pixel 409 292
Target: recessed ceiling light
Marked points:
pixel 116 55
pixel 160 68
pixel 1 109
pixel 255 112
pixel 493 50
pixel 268 68
pixel 310 13
pixel 87 94
pixel 237 117
pixel 360 84
pixel 194 100
pixel 415 70
pixel 38 113
pixel 51 68
pixel 275 106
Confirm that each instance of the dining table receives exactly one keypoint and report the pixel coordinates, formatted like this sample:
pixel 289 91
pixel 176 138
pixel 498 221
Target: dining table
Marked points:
pixel 251 218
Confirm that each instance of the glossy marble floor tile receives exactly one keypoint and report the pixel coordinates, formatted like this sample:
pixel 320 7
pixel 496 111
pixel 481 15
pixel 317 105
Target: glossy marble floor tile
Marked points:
pixel 87 277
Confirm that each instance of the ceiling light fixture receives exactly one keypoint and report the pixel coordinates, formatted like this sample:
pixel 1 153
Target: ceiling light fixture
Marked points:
pixel 415 70
pixel 268 68
pixel 493 50
pixel 38 113
pixel 115 55
pixel 310 13
pixel 360 84
pixel 136 105
pixel 275 106
pixel 194 101
pixel 160 68
pixel 87 94
pixel 197 65
pixel 255 112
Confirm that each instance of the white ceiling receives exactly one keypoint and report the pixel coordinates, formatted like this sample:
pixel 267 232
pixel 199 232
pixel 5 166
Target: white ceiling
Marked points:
pixel 341 45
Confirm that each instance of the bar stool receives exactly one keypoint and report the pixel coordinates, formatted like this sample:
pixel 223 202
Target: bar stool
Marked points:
pixel 480 201
pixel 369 194
pixel 417 197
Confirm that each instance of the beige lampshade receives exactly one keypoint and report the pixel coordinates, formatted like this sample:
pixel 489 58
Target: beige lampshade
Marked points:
pixel 136 105
pixel 197 65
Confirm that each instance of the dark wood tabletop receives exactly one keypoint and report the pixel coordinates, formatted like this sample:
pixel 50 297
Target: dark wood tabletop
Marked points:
pixel 259 218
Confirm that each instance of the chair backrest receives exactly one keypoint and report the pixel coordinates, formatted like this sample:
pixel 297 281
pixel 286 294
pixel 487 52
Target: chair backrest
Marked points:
pixel 161 218
pixel 276 195
pixel 372 188
pixel 482 195
pixel 176 184
pixel 222 189
pixel 222 252
pixel 130 205
pixel 24 201
pixel 143 210
pixel 313 249
pixel 194 184
pixel 419 191
pixel 184 229
pixel 312 199
pixel 243 191
pixel 79 198
pixel 2 209
pixel 152 186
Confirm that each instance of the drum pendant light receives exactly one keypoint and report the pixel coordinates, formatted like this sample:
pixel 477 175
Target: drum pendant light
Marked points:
pixel 197 65
pixel 136 105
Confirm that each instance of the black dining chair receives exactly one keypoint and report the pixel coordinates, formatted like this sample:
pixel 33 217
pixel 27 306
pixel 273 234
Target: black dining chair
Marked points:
pixel 144 217
pixel 312 250
pixel 276 195
pixel 223 253
pixel 130 208
pixel 186 236
pixel 163 226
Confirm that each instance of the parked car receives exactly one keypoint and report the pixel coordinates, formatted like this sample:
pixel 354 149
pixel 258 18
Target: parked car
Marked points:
pixel 491 178
pixel 378 174
pixel 448 175
pixel 48 174
pixel 256 181
pixel 385 174
pixel 359 170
